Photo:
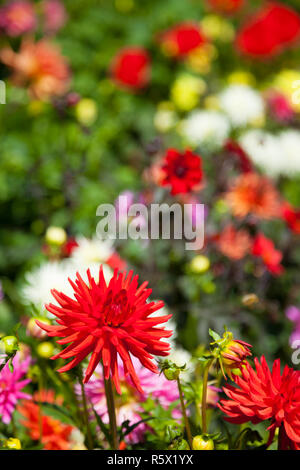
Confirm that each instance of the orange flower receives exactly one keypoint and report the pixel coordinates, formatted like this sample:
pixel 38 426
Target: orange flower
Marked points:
pixel 252 193
pixel 234 243
pixel 53 434
pixel 41 66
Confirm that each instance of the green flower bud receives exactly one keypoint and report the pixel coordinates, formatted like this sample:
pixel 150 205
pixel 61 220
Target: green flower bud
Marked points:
pixel 203 443
pixel 9 345
pixel 171 373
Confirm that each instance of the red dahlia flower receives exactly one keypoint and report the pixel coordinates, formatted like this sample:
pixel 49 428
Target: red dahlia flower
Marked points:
pixel 269 31
pixel 107 321
pixel 182 39
pixel 265 249
pixel 183 171
pixel 263 395
pixel 131 68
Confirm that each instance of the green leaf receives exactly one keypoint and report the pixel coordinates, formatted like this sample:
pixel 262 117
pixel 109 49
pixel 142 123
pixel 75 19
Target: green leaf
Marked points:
pixel 57 412
pixel 215 336
pixel 103 427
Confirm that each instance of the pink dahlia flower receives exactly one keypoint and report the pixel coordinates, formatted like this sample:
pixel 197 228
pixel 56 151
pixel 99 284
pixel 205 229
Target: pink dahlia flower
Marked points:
pixel 11 386
pixel 17 17
pixel 55 15
pixel 128 404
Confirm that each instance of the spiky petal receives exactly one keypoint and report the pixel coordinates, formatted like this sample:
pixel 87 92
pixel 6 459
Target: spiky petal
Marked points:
pixel 108 321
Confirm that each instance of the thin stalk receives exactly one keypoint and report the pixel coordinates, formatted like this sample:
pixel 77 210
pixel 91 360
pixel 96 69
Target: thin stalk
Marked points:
pixel 186 421
pixel 204 396
pixel 86 415
pixel 111 408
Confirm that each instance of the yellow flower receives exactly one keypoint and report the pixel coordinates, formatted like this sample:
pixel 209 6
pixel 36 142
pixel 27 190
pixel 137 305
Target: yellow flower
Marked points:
pixel 186 90
pixel 216 27
pixel 241 77
pixel 199 264
pixel 200 59
pixel 13 444
pixel 288 83
pixel 86 111
pixel 55 236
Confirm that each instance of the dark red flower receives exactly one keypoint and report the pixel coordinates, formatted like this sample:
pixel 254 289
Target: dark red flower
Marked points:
pixel 107 321
pixel 273 28
pixel 264 248
pixel 182 39
pixel 234 149
pixel 226 6
pixel 183 171
pixel 291 217
pixel 263 395
pixel 131 67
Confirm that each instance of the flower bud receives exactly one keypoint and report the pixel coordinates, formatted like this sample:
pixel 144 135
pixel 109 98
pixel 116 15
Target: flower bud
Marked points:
pixel 234 355
pixel 45 349
pixel 171 373
pixel 12 444
pixel 9 345
pixel 56 236
pixel 203 443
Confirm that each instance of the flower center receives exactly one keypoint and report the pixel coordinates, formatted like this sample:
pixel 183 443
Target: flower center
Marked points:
pixel 180 171
pixel 116 308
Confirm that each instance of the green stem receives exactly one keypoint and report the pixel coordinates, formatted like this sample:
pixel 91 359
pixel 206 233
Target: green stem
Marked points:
pixel 86 415
pixel 186 421
pixel 110 401
pixel 204 396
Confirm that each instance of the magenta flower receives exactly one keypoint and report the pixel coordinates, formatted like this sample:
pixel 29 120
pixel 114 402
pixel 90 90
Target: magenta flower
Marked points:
pixel 17 17
pixel 55 15
pixel 11 386
pixel 128 404
pixel 293 314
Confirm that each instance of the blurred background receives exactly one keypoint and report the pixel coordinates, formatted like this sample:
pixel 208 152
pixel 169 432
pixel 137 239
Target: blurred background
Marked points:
pixel 96 91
